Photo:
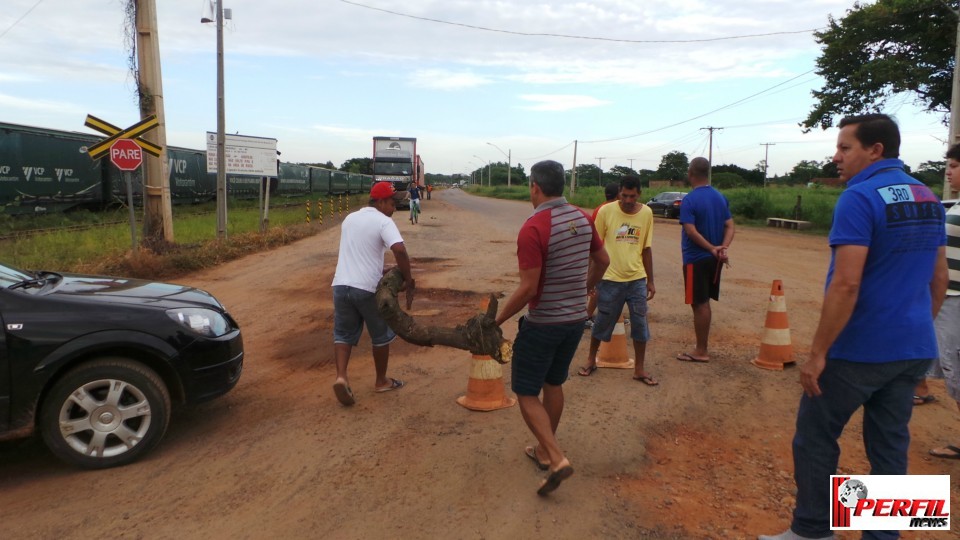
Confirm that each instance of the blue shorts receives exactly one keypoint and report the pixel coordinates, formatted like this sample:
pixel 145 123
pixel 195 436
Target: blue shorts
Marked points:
pixel 352 308
pixel 542 354
pixel 611 297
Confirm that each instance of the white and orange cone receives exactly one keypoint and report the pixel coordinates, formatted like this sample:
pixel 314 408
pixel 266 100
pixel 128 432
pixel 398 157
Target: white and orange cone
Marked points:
pixel 613 353
pixel 776 348
pixel 485 388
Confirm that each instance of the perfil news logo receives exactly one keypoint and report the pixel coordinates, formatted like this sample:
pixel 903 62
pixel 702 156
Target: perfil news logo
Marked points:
pixel 890 502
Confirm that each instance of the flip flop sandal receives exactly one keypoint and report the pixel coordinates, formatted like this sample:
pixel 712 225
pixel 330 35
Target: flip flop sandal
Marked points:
pixel 586 371
pixel 954 452
pixel 553 481
pixel 343 393
pixel 395 384
pixel 923 400
pixel 531 452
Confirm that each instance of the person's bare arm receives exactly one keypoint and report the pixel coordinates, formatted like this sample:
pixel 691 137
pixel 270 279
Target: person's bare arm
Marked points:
pixel 838 304
pixel 403 263
pixel 529 282
pixel 647 256
pixel 940 281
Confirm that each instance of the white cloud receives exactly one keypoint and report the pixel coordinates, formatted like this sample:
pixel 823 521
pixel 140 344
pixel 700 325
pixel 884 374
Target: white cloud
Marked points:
pixel 440 79
pixel 546 102
pixel 40 105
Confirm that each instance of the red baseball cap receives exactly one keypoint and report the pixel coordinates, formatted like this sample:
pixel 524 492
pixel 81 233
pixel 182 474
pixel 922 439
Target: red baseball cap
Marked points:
pixel 381 190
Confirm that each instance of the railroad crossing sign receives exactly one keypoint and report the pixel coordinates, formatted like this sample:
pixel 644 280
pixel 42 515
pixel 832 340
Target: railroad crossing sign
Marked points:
pixel 126 154
pixel 114 134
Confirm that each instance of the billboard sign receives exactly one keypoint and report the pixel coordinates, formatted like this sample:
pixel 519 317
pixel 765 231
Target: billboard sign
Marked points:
pixel 244 155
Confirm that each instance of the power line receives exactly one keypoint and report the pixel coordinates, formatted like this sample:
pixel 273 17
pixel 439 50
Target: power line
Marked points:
pixel 16 22
pixel 699 116
pixel 567 36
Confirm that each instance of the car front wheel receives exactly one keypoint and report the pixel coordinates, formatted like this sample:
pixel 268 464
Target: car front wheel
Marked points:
pixel 105 413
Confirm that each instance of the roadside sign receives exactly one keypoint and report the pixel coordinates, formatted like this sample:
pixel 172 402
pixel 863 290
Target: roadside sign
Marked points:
pixel 244 155
pixel 126 155
pixel 109 129
pixel 100 149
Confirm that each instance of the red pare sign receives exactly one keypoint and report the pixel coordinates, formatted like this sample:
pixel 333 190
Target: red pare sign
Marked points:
pixel 126 155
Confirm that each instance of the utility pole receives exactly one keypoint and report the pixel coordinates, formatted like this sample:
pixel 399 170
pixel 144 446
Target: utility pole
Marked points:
pixel 631 162
pixel 573 171
pixel 766 163
pixel 710 154
pixel 600 176
pixel 221 133
pixel 954 137
pixel 157 211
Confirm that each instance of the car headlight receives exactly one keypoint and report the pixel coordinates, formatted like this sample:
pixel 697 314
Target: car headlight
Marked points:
pixel 205 322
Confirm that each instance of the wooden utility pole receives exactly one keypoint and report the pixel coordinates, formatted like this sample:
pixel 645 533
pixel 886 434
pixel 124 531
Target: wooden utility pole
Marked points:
pixel 157 212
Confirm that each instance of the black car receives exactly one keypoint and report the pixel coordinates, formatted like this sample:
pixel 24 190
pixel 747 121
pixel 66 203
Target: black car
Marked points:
pixel 667 204
pixel 96 363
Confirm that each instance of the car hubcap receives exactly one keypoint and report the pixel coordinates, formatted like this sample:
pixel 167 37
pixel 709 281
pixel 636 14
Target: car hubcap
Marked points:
pixel 105 418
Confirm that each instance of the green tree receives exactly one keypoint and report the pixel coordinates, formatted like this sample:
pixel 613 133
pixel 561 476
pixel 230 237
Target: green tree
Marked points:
pixel 752 177
pixel 806 171
pixel 673 166
pixel 589 174
pixel 884 49
pixel 931 173
pixel 362 165
pixel 621 171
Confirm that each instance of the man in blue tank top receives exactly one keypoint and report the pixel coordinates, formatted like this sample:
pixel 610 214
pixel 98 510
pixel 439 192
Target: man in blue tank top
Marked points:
pixel 876 339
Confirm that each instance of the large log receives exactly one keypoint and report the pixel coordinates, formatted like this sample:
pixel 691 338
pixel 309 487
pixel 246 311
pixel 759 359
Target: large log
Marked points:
pixel 480 334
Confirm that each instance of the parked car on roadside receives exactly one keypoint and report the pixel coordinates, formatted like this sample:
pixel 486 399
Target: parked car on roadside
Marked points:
pixel 667 204
pixel 95 364
pixel 949 203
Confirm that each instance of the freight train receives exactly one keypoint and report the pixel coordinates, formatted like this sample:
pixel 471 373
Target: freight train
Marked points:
pixel 44 170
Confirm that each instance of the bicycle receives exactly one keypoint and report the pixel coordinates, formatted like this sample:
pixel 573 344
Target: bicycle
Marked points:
pixel 414 211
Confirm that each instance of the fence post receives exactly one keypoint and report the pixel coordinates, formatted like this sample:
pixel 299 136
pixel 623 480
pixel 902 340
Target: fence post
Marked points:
pixel 308 211
pixel 320 211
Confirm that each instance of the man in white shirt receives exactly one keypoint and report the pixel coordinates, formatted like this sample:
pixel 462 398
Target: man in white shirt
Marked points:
pixel 364 237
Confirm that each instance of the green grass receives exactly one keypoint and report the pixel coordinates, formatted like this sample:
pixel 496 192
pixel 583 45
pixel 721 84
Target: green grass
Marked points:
pixel 748 205
pixel 107 249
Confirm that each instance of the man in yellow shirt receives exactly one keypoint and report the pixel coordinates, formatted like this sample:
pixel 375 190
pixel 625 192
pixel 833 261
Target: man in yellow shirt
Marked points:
pixel 627 232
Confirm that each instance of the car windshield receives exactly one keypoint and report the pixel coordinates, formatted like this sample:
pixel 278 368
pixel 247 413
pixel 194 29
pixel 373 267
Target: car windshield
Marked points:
pixel 11 276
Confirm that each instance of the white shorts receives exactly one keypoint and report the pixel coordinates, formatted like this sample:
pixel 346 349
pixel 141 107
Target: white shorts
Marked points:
pixel 948 339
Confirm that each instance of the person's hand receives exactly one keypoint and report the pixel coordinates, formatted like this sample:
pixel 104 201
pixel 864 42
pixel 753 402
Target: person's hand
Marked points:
pixel 810 374
pixel 651 290
pixel 720 252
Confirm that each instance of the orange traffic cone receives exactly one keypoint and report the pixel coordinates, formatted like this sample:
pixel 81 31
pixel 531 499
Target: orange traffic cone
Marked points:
pixel 613 354
pixel 485 388
pixel 775 347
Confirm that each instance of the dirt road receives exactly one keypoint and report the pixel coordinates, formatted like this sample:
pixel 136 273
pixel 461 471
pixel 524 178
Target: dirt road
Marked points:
pixel 704 455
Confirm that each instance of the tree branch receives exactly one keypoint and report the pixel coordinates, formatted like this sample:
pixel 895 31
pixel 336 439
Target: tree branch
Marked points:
pixel 480 334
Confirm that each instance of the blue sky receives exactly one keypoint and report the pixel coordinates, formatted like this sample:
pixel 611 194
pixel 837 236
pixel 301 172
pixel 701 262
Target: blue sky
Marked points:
pixel 325 76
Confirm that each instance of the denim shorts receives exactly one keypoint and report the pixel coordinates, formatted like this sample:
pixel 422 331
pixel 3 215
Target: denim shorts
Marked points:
pixel 542 354
pixel 352 308
pixel 611 297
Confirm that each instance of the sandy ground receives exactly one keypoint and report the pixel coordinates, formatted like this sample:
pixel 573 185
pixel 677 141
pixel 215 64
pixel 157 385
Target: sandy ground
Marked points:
pixel 704 455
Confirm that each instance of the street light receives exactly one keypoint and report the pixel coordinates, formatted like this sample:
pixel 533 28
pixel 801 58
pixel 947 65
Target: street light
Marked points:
pixel 489 181
pixel 509 163
pixel 221 127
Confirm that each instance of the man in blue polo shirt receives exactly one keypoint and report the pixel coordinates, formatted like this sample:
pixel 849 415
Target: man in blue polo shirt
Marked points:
pixel 875 340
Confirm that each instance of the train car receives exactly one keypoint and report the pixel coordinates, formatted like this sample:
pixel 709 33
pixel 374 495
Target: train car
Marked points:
pixel 44 170
pixel 294 179
pixel 354 183
pixel 189 181
pixel 339 183
pixel 319 180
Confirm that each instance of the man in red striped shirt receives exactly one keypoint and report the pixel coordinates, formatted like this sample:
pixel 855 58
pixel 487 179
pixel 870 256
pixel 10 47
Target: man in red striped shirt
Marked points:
pixel 561 258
